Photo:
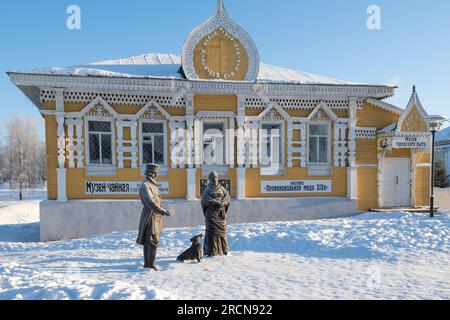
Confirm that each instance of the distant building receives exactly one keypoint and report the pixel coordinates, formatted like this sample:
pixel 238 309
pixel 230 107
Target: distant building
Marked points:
pixel 443 147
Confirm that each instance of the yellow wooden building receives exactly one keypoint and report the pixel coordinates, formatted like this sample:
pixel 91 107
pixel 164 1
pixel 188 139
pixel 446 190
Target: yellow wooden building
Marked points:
pixel 281 140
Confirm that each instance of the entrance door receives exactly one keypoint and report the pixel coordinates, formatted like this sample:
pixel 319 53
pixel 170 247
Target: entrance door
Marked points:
pixel 396 183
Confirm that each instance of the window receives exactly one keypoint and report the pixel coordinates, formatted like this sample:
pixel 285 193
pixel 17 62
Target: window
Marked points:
pixel 153 143
pixel 271 145
pixel 318 143
pixel 214 148
pixel 100 143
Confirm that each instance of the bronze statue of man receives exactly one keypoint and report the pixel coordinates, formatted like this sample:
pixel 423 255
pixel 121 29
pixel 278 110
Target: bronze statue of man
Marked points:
pixel 215 203
pixel 151 224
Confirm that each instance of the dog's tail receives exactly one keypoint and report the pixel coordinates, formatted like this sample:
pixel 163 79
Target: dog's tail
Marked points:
pixel 180 258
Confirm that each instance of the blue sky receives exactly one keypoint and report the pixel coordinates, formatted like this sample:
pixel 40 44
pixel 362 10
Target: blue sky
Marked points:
pixel 326 37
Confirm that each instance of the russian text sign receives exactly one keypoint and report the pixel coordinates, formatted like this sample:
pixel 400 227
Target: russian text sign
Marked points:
pixel 298 186
pixel 119 188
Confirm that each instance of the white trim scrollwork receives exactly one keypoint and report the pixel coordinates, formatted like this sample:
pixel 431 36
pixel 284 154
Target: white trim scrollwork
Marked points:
pixel 127 146
pixel 252 143
pixel 340 144
pixel 75 143
pixel 297 148
pixel 221 19
pixel 178 150
pixel 366 133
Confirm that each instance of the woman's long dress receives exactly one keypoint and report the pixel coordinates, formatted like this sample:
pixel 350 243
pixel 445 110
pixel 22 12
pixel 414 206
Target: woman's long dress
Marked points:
pixel 216 243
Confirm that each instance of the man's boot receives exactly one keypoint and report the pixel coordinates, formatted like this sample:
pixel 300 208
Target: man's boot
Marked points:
pixel 146 256
pixel 152 258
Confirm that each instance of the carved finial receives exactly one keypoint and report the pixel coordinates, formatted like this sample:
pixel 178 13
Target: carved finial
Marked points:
pixel 414 89
pixel 220 6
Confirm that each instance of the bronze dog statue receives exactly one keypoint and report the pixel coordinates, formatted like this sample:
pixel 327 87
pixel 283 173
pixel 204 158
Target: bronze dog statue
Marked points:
pixel 195 252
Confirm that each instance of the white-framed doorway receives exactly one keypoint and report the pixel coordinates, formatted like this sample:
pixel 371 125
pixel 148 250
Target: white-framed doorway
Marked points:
pixel 396 188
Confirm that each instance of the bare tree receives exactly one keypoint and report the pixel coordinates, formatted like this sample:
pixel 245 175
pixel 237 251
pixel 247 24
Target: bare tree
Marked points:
pixel 2 161
pixel 24 153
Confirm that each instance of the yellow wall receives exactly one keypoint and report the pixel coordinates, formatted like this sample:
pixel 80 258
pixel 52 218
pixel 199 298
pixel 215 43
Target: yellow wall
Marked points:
pixel 51 144
pixel 204 102
pixel 366 153
pixel 414 122
pixel 367 189
pixel 374 117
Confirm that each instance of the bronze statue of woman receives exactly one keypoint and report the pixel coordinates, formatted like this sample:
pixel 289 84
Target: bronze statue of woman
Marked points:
pixel 215 203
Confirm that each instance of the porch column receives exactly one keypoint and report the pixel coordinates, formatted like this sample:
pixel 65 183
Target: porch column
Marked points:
pixel 352 171
pixel 61 171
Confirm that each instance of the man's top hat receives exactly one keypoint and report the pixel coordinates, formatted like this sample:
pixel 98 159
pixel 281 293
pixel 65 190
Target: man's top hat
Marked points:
pixel 151 168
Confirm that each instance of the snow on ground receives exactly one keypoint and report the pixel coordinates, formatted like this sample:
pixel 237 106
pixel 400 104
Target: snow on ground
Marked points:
pixel 372 256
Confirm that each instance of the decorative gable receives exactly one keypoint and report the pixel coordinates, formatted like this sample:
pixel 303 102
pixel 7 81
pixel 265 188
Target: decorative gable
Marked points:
pixel 219 49
pixel 413 119
pixel 322 113
pixel 99 108
pixel 274 113
pixel 153 111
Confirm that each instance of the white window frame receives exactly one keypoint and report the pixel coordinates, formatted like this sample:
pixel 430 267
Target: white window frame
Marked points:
pixel 141 141
pixel 225 137
pixel 282 124
pixel 320 164
pixel 113 141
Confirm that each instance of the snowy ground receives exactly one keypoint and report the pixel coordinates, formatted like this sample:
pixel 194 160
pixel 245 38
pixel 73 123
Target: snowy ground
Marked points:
pixel 372 256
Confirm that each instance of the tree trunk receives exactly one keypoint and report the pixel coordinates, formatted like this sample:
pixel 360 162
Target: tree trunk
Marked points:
pixel 20 191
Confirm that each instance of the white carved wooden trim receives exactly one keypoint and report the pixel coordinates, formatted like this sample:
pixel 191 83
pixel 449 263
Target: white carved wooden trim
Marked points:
pixel 340 144
pixel 75 143
pixel 61 142
pixel 170 86
pixel 366 133
pixel 178 144
pixel 197 143
pixel 128 98
pixel 190 141
pixel 98 108
pixel 297 146
pixel 231 137
pixel 252 143
pixel 380 200
pixel 127 146
pixel 153 111
pixel 241 141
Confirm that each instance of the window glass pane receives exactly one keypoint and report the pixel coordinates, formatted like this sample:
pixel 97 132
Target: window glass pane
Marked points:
pixel 159 150
pixel 213 126
pixel 152 128
pixel 318 130
pixel 94 149
pixel 99 126
pixel 147 153
pixel 323 150
pixel 106 149
pixel 313 150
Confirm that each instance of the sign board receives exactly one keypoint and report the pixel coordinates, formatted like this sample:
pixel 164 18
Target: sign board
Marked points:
pixel 223 182
pixel 410 142
pixel 297 186
pixel 119 188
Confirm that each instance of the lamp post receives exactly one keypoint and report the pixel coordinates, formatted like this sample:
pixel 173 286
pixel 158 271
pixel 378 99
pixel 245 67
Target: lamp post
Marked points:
pixel 435 123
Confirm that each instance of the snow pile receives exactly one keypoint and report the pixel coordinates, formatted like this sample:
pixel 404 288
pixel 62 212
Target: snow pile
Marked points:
pixel 372 256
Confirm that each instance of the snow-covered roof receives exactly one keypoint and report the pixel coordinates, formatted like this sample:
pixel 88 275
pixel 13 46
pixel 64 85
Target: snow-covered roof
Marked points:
pixel 168 66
